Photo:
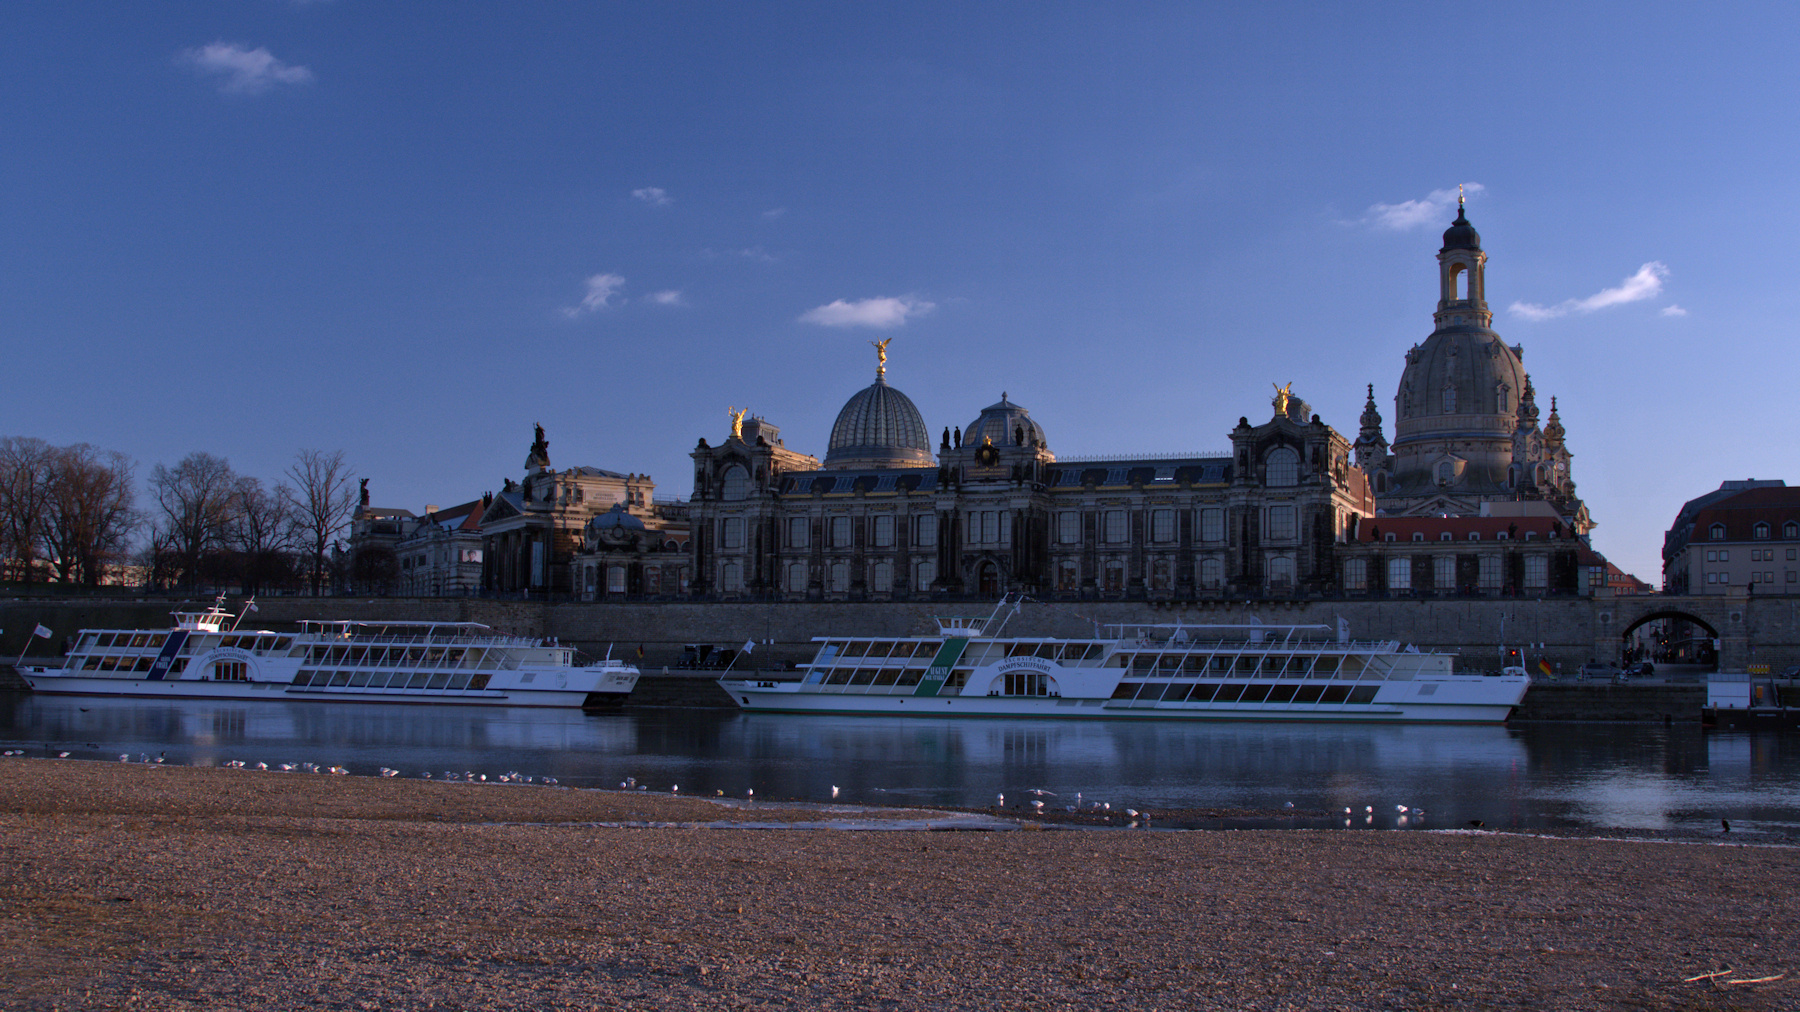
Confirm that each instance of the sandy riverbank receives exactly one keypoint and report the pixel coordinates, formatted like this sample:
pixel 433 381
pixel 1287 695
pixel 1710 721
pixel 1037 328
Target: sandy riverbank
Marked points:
pixel 134 886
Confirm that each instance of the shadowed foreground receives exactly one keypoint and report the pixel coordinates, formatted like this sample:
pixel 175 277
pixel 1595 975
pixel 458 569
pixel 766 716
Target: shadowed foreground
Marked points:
pixel 172 888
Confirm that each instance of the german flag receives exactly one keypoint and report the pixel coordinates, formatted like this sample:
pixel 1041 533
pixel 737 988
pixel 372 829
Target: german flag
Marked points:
pixel 1544 666
pixel 640 650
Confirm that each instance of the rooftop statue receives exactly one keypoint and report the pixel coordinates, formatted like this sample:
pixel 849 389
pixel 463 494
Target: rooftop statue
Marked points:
pixel 737 421
pixel 1282 396
pixel 881 356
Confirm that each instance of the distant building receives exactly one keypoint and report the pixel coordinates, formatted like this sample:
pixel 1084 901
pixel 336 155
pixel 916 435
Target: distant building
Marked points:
pixel 1522 553
pixel 1466 416
pixel 994 511
pixel 440 553
pixel 1744 536
pixel 532 529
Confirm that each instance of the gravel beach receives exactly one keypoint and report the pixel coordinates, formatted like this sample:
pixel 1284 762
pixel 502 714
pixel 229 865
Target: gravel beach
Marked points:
pixel 136 886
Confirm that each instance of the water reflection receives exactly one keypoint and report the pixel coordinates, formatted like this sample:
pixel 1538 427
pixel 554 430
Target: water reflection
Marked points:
pixel 1577 776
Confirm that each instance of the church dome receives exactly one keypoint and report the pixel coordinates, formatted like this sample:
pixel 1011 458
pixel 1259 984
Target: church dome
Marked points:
pixel 616 519
pixel 1461 234
pixel 879 427
pixel 1004 423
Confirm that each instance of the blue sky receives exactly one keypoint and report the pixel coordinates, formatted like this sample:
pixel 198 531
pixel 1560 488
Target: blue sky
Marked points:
pixel 412 231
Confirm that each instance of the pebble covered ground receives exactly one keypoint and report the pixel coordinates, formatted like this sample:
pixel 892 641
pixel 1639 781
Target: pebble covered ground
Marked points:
pixel 145 887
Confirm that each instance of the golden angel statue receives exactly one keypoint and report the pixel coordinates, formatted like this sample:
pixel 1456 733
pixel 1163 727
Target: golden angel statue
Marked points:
pixel 881 355
pixel 737 421
pixel 1282 395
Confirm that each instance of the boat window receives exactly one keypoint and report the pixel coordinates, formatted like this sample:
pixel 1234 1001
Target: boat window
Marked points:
pixel 1334 694
pixel 143 663
pixel 1126 690
pixel 399 679
pixel 458 682
pixel 1047 651
pixel 1255 694
pixel 854 648
pixel 1352 668
pixel 478 681
pixel 360 679
pixel 1363 694
pixel 439 679
pixel 911 676
pixel 1281 693
pixel 1016 649
pixel 1177 692
pixel 887 676
pixel 418 680
pixel 1203 692
pixel 957 679
pixel 1139 662
pixel 839 676
pixel 340 678
pixel 1307 693
pixel 1246 663
pixel 863 676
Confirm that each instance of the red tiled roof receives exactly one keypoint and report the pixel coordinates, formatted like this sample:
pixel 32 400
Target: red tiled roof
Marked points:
pixel 1459 528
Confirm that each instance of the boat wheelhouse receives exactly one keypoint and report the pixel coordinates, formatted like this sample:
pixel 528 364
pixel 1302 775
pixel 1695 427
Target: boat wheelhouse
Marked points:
pixel 1173 670
pixel 205 655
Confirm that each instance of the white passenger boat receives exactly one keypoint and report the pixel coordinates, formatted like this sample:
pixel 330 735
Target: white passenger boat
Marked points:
pixel 205 656
pixel 1183 671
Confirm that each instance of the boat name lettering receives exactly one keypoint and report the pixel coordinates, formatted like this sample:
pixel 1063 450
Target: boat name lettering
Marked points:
pixel 1023 663
pixel 231 654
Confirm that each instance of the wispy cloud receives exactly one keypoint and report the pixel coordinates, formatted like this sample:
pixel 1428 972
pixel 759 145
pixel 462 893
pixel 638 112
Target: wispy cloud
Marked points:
pixel 1431 209
pixel 1673 311
pixel 879 313
pixel 774 212
pixel 601 289
pixel 753 253
pixel 243 71
pixel 671 297
pixel 1647 283
pixel 655 196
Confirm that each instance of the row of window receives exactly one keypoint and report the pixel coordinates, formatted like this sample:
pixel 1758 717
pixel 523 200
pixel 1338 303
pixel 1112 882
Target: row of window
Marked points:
pixel 1761 531
pixel 796 577
pixel 1756 554
pixel 1236 692
pixel 1761 576
pixel 1490 574
pixel 989 527
pixel 391 680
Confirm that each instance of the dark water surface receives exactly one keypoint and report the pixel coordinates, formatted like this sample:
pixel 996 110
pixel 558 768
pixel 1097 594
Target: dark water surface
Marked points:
pixel 1553 776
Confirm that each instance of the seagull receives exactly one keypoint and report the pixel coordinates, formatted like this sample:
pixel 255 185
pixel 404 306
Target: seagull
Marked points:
pixel 1368 809
pixel 124 758
pixel 1037 806
pixel 426 774
pixel 1401 808
pixel 1346 811
pixel 62 755
pixel 286 767
pixel 999 801
pixel 834 790
pixel 1287 804
pixel 1041 793
pixel 751 794
pixel 551 781
pixel 1132 812
pixel 262 766
pixel 676 789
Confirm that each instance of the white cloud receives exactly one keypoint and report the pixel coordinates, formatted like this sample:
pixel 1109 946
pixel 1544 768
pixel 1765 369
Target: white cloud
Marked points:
pixel 600 291
pixel 245 71
pixel 879 313
pixel 655 196
pixel 1433 208
pixel 774 212
pixel 1673 311
pixel 671 297
pixel 1647 283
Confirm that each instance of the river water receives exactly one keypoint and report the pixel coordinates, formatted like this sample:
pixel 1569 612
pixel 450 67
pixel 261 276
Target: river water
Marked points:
pixel 1591 778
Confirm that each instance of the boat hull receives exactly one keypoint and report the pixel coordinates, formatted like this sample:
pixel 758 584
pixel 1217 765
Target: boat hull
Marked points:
pixel 1479 701
pixel 610 690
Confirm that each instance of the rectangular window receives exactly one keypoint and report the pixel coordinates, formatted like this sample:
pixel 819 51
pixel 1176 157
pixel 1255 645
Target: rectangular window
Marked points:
pixel 1068 529
pixel 883 534
pixel 731 532
pixel 1212 524
pixel 1115 527
pixel 1400 574
pixel 840 532
pixel 1791 555
pixel 1724 555
pixel 615 579
pixel 1356 574
pixel 1068 575
pixel 1490 572
pixel 881 577
pixel 1443 573
pixel 1162 525
pixel 924 574
pixel 1712 556
pixel 925 530
pixel 1537 572
pixel 799 532
pixel 1281 523
pixel 1712 578
pixel 990 528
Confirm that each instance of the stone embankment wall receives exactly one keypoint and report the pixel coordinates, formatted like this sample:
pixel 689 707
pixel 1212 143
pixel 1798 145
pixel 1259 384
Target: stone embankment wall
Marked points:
pixel 1751 630
pixel 1563 701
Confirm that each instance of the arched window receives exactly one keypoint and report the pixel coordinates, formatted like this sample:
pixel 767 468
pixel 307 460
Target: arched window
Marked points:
pixel 1212 574
pixel 735 483
pixel 796 577
pixel 840 577
pixel 1503 398
pixel 1446 472
pixel 1449 398
pixel 1400 574
pixel 1281 467
pixel 731 577
pixel 1445 536
pixel 1159 575
pixel 881 577
pixel 1281 573
pixel 1418 536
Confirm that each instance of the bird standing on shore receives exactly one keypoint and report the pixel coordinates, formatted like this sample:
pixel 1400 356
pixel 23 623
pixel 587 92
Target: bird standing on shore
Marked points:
pixel 1725 825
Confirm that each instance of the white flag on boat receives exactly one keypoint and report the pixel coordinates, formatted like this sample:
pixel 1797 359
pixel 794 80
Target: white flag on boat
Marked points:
pixel 252 607
pixel 41 631
pixel 749 645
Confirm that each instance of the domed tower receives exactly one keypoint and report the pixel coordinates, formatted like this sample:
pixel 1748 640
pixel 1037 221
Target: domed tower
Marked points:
pixel 1457 407
pixel 879 428
pixel 1004 424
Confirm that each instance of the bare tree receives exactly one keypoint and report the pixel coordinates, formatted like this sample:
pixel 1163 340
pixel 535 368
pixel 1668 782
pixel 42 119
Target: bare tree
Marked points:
pixel 198 503
pixel 262 533
pixel 91 511
pixel 25 467
pixel 323 503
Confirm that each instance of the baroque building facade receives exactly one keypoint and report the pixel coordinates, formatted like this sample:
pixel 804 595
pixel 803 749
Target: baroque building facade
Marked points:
pixel 994 511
